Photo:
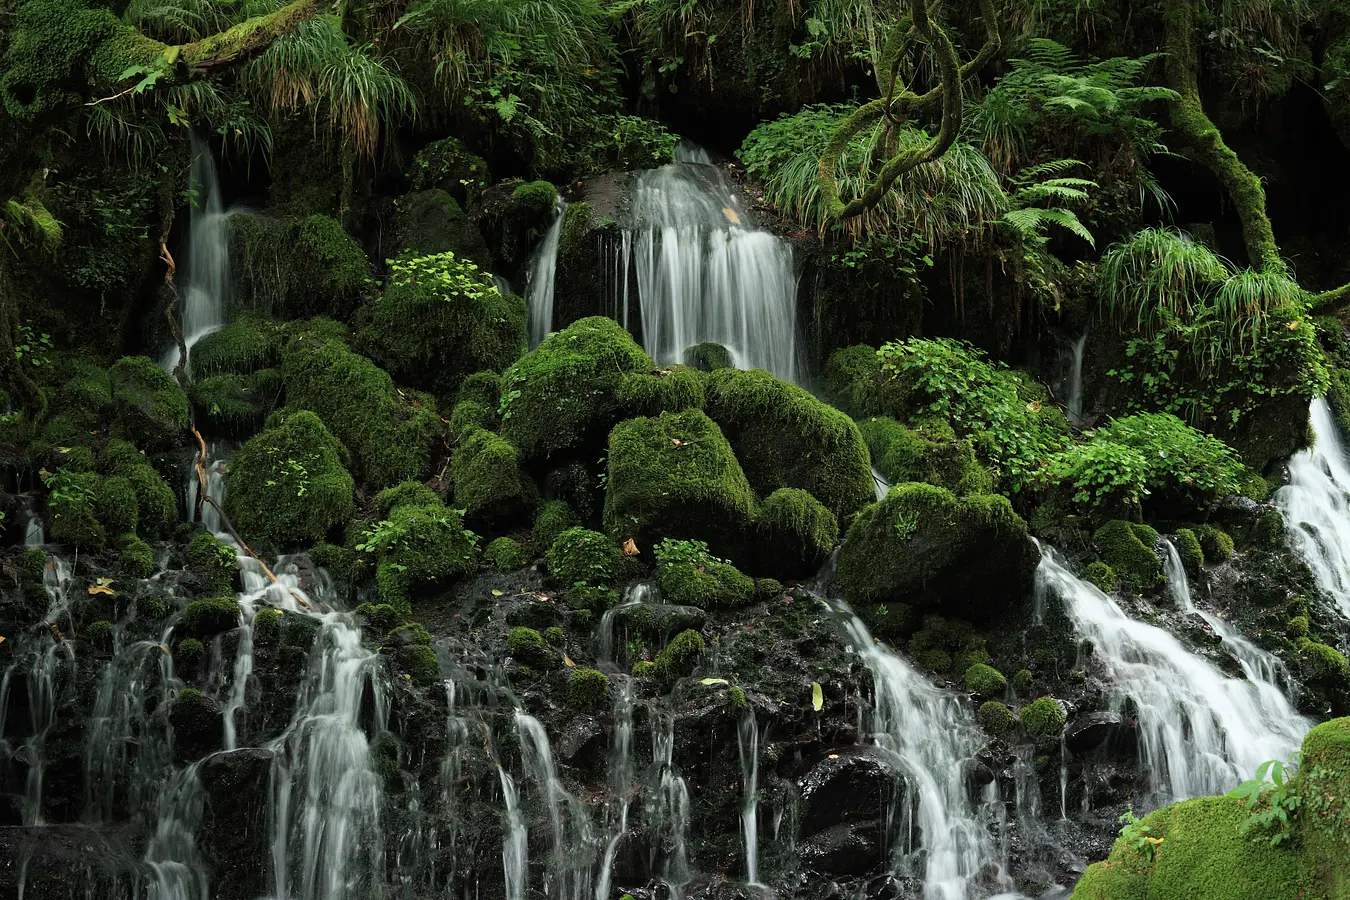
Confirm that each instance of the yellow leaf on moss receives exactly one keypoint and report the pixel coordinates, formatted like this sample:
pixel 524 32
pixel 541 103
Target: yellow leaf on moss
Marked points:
pixel 102 586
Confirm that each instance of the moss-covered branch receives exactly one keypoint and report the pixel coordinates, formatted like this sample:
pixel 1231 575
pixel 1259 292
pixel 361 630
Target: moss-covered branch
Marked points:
pixel 1205 144
pixel 897 108
pixel 245 40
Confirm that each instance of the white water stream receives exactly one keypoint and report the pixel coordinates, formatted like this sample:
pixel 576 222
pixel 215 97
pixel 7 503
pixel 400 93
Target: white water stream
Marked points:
pixel 1316 506
pixel 204 274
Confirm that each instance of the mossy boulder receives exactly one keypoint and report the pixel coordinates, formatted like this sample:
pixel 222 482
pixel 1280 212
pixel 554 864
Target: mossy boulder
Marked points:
pixel 288 484
pixel 505 554
pixel 785 437
pixel 563 396
pixel 463 324
pixel 267 626
pixel 1318 662
pixel 432 221
pixel 1043 720
pixel 995 718
pixel 419 663
pixel 135 556
pixel 669 389
pixel 325 270
pixel 406 493
pixel 903 454
pixel 675 476
pixel 1215 543
pixel 589 566
pixel 679 657
pixel 72 512
pixel 794 533
pixel 968 556
pixel 152 410
pixel 489 483
pixel 529 647
pixel 234 405
pixel 208 618
pixel 703 581
pixel 985 681
pixel 1188 548
pixel 197 726
pixel 116 506
pixel 1129 550
pixel 389 432
pixel 1101 575
pixel 588 690
pixel 708 357
pixel 239 348
pixel 553 519
pixel 419 546
pixel 212 562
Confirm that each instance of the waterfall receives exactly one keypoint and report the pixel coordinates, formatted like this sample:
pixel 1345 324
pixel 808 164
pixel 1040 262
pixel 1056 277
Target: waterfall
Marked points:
pixel 1074 382
pixel 634 596
pixel 541 277
pixel 882 485
pixel 667 810
pixel 204 275
pixel 933 737
pixel 705 274
pixel 569 875
pixel 515 847
pixel 747 743
pixel 1200 732
pixel 1316 507
pixel 620 780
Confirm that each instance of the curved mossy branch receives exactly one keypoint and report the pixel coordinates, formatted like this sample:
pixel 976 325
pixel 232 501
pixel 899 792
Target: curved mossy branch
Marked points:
pixel 898 108
pixel 1205 143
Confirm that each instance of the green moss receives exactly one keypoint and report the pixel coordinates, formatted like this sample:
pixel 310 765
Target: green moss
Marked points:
pixel 136 557
pixel 1101 575
pixel 446 164
pixel 529 647
pixel 419 546
pixel 419 663
pixel 1268 532
pixel 188 655
pixel 100 634
pixel 644 669
pixel 326 272
pixel 505 555
pixel 195 720
pixel 489 484
pixel 588 690
pixel 1043 719
pixel 555 636
pixel 768 589
pixel 554 518
pixel 156 503
pixel 411 633
pixel 464 324
pixel 407 493
pixel 469 414
pixel 432 222
pixel 1023 681
pixel 481 387
pixel 1318 661
pixel 938 550
pixel 389 433
pixel 676 476
pixel 785 437
pixel 1325 789
pixel 239 348
pixel 1297 627
pixel 1128 549
pixel 852 376
pixel 72 511
pixel 582 558
pixel 380 616
pixel 288 484
pixel 1215 542
pixel 341 562
pixel 1188 547
pixel 537 196
pixel 152 410
pixel 33 565
pixel 985 681
pixel 902 454
pixel 708 357
pixel 208 618
pixel 666 390
pixel 705 583
pixel 679 657
pixel 568 388
pixel 212 561
pixel 995 718
pixel 267 626
pixel 116 507
pixel 794 533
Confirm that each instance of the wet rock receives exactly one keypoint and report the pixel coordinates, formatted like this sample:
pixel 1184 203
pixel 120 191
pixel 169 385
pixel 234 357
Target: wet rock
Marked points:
pixel 234 833
pixel 659 619
pixel 1093 730
pixel 844 849
pixel 854 784
pixel 57 861
pixel 581 740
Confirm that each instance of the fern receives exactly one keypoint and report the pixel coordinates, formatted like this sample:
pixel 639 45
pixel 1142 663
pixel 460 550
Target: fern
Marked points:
pixel 1030 221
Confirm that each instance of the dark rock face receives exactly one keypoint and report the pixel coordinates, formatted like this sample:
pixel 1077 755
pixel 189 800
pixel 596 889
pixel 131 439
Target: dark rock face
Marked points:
pixel 1094 730
pixel 233 837
pixel 850 785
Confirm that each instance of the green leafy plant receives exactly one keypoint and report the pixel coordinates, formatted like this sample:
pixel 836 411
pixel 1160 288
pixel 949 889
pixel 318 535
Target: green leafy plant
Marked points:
pixel 33 346
pixel 671 550
pixel 1138 835
pixel 1037 189
pixel 1272 800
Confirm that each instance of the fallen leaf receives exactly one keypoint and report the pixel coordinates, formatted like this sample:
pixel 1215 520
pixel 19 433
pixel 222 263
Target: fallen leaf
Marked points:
pixel 103 586
pixel 817 696
pixel 567 661
pixel 833 756
pixel 496 593
pixel 630 547
pixel 2 638
pixel 714 681
pixel 677 442
pixel 731 215
pixel 1034 406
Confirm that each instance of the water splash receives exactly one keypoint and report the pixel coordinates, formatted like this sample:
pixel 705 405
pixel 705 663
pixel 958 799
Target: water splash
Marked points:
pixel 204 276
pixel 1316 506
pixel 933 737
pixel 1200 732
pixel 542 277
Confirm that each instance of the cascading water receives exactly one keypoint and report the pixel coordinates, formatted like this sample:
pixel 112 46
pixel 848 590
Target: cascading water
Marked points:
pixel 204 279
pixel 1072 382
pixel 634 596
pixel 569 873
pixel 1316 506
pixel 667 810
pixel 933 737
pixel 704 273
pixel 747 743
pixel 1200 732
pixel 621 781
pixel 540 280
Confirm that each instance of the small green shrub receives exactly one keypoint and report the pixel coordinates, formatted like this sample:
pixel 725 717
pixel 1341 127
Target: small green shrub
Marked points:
pixel 588 690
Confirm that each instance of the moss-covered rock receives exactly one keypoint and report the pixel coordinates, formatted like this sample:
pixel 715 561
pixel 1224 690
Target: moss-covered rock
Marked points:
pixel 564 395
pixel 288 484
pixel 489 484
pixel 197 726
pixel 589 565
pixel 470 414
pixel 675 476
pixel 208 618
pixel 1101 575
pixel 212 561
pixel 666 390
pixel 968 555
pixel 768 589
pixel 902 454
pixel 446 164
pixel 325 270
pixel 703 581
pixel 985 681
pixel 794 533
pixel 529 647
pixel 389 432
pixel 419 663
pixel 1188 548
pixel 135 556
pixel 1317 662
pixel 267 626
pixel 679 656
pixel 72 516
pixel 1023 681
pixel 1129 550
pixel 116 506
pixel 588 690
pixel 432 221
pixel 406 493
pixel 505 555
pixel 553 519
pixel 234 405
pixel 417 546
pixel 995 718
pixel 188 654
pixel 463 324
pixel 238 348
pixel 1215 543
pixel 1042 719
pixel 784 437
pixel 708 357
pixel 152 410
pixel 380 616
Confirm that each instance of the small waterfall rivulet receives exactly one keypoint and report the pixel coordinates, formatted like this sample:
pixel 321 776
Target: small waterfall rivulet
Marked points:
pixel 933 736
pixel 1200 731
pixel 1071 380
pixel 747 745
pixel 204 273
pixel 1316 506
pixel 704 273
pixel 541 278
